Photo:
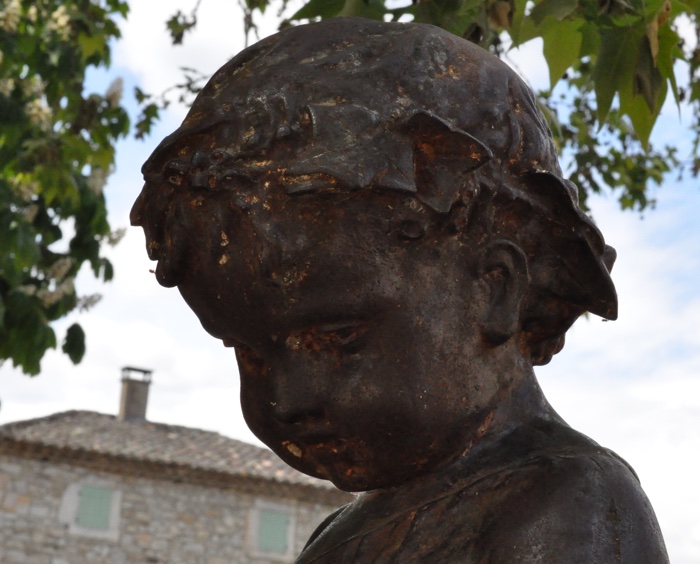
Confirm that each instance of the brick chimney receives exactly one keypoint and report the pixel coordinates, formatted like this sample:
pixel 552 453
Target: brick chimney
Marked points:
pixel 134 400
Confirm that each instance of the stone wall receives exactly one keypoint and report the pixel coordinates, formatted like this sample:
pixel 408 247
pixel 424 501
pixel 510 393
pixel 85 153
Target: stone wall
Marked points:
pixel 158 521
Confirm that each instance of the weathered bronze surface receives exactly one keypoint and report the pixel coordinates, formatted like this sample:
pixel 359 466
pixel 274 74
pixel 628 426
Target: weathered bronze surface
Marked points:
pixel 373 216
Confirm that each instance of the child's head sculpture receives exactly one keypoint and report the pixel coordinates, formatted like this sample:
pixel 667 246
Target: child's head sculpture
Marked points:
pixel 373 216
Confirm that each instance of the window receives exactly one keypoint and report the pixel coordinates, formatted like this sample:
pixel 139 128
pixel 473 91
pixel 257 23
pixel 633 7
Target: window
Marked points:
pixel 272 530
pixel 91 509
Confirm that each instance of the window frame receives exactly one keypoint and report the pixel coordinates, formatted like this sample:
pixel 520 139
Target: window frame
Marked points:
pixel 70 506
pixel 260 506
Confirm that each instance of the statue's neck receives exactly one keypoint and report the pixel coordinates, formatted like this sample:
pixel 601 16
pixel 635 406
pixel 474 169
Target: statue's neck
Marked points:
pixel 520 403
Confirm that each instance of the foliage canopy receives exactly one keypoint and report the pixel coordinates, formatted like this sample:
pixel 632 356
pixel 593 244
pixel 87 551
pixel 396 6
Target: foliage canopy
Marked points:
pixel 56 151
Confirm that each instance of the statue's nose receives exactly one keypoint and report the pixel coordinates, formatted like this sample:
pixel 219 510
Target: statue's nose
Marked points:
pixel 135 216
pixel 298 395
pixel 289 413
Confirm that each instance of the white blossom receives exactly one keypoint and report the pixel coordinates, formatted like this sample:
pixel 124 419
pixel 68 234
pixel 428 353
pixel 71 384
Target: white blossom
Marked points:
pixel 27 289
pixel 30 212
pixel 97 179
pixel 87 302
pixel 7 85
pixel 10 15
pixel 39 114
pixel 33 86
pixel 60 268
pixel 59 22
pixel 115 236
pixel 49 297
pixel 114 92
pixel 26 188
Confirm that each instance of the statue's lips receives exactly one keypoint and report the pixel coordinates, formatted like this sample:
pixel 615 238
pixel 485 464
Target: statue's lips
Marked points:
pixel 310 433
pixel 322 441
pixel 302 444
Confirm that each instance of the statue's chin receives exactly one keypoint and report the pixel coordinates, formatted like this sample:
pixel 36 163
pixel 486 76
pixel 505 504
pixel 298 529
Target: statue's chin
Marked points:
pixel 328 459
pixel 348 464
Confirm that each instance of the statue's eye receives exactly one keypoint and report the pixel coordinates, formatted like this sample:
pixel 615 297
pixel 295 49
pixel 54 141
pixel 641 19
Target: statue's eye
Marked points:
pixel 175 172
pixel 235 180
pixel 176 179
pixel 410 230
pixel 336 338
pixel 348 339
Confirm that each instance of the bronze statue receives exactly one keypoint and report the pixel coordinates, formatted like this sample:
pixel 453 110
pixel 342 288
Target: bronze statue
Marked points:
pixel 373 216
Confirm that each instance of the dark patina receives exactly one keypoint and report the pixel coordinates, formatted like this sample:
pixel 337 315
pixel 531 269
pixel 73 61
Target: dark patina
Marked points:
pixel 374 217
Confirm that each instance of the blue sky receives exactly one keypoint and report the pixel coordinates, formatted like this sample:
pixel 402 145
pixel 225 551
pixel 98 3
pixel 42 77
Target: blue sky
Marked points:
pixel 633 385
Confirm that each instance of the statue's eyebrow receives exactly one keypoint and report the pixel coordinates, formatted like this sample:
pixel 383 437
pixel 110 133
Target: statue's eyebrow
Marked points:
pixel 308 183
pixel 339 314
pixel 177 165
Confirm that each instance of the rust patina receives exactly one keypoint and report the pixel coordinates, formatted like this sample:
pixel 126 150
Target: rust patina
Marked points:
pixel 373 216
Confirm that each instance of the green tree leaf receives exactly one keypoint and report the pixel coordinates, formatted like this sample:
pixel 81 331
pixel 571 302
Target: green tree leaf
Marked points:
pixel 648 79
pixel 318 9
pixel 557 9
pixel 590 39
pixel 74 343
pixel 616 64
pixel 562 47
pixel 91 45
pixel 667 54
pixel 363 8
pixel 636 106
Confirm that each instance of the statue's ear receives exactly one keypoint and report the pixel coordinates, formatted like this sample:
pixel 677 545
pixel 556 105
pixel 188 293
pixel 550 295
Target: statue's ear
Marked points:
pixel 442 155
pixel 503 274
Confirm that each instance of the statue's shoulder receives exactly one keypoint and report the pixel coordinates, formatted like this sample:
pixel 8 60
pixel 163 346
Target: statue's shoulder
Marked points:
pixel 572 501
pixel 542 494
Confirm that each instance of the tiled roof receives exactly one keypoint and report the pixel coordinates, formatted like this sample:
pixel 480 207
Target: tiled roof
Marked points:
pixel 91 433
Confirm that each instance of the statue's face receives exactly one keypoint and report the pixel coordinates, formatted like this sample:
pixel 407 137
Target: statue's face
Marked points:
pixel 355 327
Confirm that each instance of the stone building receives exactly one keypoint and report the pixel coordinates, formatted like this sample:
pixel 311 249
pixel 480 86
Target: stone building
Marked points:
pixel 83 487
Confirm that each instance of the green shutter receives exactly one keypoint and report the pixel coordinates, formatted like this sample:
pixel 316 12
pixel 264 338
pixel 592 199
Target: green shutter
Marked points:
pixel 273 527
pixel 93 508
